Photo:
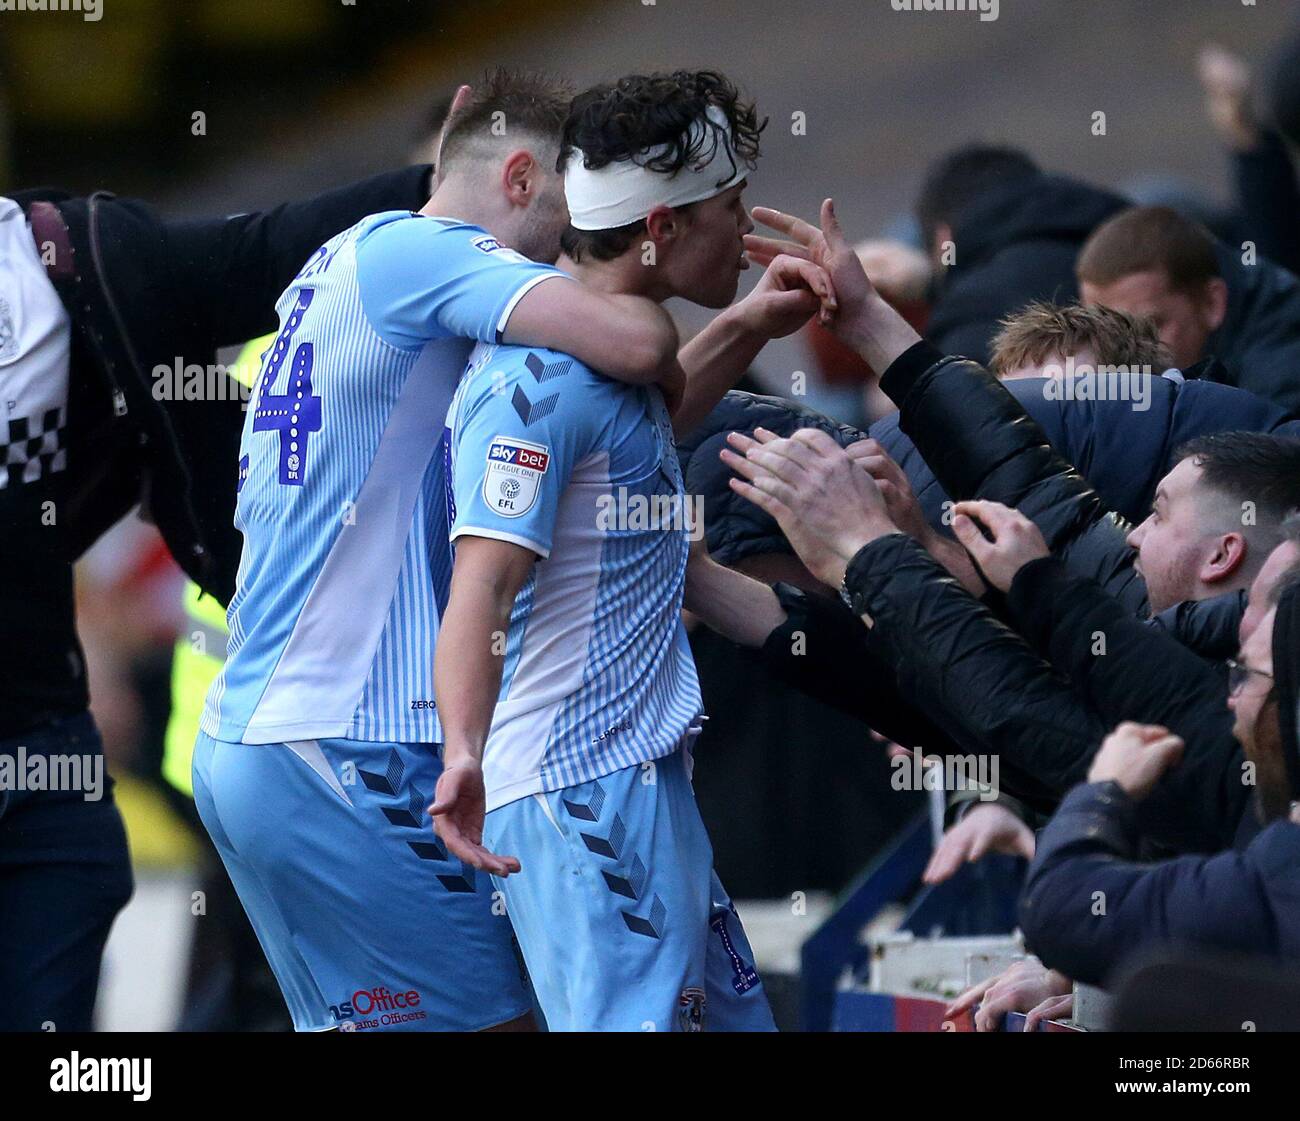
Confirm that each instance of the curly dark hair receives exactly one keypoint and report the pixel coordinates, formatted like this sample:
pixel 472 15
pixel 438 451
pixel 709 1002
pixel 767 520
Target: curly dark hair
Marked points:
pixel 622 120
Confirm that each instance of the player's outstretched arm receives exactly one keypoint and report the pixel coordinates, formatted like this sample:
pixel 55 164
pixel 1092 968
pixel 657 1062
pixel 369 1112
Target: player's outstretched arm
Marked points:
pixel 737 606
pixel 467 678
pixel 629 338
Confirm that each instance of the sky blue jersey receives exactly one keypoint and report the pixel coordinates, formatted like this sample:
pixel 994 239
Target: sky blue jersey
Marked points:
pixel 582 471
pixel 342 493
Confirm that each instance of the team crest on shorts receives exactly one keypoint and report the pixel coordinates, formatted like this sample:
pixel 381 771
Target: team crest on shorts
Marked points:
pixel 514 475
pixel 690 1009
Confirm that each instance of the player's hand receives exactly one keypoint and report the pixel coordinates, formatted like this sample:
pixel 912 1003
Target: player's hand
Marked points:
pixel 1135 756
pixel 983 829
pixel 825 247
pixel 825 504
pixel 1026 985
pixel 457 812
pixel 791 291
pixel 1016 540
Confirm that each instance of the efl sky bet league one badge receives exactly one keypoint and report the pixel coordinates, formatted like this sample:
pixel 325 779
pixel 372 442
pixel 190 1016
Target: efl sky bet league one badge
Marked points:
pixel 514 475
pixel 489 244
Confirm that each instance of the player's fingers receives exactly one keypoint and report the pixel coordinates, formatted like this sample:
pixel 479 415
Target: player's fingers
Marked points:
pixel 445 796
pixel 773 247
pixel 888 491
pixel 499 865
pixel 487 861
pixel 800 271
pixel 459 844
pixel 798 301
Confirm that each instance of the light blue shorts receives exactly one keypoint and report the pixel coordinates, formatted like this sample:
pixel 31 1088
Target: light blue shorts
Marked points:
pixel 621 919
pixel 366 921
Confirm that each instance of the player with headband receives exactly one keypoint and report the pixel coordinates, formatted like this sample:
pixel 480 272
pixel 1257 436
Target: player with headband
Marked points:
pixel 568 695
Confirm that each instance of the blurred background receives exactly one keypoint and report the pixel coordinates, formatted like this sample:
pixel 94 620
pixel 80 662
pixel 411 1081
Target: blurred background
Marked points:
pixel 220 106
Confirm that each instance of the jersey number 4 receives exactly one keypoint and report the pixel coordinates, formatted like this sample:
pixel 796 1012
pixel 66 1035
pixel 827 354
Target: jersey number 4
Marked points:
pixel 295 414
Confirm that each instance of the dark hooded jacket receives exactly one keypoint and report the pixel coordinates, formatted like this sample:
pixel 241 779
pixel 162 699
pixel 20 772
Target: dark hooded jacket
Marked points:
pixel 1243 902
pixel 1258 343
pixel 143 292
pixel 1013 245
pixel 1018 243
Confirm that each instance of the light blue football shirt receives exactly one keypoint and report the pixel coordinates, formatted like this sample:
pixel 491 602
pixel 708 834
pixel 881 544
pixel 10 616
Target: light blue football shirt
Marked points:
pixel 342 490
pixel 581 470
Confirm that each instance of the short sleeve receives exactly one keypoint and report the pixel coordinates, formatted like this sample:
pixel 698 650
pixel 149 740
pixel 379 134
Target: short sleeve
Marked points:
pixel 514 450
pixel 424 278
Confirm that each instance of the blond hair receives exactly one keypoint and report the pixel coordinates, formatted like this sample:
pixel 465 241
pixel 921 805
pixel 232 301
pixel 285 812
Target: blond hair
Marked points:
pixel 1042 331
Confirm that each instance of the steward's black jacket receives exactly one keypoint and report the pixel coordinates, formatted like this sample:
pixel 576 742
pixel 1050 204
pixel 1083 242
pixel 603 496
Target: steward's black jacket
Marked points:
pixel 143 292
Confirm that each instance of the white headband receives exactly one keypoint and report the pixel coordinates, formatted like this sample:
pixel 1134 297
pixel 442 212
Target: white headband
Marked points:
pixel 621 193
